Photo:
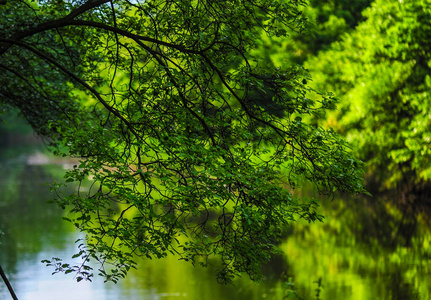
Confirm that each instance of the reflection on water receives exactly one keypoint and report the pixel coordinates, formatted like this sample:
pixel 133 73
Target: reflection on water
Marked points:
pixel 364 250
pixel 34 230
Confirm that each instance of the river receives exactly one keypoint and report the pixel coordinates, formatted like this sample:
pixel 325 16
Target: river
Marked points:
pixel 365 249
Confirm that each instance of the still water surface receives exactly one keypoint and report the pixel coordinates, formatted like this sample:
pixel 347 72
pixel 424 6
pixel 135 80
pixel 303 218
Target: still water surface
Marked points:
pixel 365 249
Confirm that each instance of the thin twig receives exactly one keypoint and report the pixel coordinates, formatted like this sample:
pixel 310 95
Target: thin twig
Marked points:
pixel 9 287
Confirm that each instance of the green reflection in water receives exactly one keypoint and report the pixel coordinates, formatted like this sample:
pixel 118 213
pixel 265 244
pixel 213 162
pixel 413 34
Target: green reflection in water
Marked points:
pixel 365 249
pixel 28 223
pixel 33 228
pixel 174 279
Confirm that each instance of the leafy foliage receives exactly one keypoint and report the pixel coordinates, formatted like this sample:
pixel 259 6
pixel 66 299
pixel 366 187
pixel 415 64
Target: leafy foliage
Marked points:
pixel 381 74
pixel 191 142
pixel 328 21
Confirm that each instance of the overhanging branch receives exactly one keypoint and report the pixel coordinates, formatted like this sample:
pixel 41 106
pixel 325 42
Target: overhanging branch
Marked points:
pixel 75 78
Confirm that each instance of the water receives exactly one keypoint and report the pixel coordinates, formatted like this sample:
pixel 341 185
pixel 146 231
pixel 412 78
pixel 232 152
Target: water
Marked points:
pixel 365 249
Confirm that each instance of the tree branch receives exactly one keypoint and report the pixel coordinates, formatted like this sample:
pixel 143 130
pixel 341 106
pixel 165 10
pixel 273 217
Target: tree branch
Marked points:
pixel 52 24
pixel 77 79
pixel 9 286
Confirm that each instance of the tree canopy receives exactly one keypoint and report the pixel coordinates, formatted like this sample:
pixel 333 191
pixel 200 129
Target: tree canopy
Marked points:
pixel 329 19
pixel 191 141
pixel 381 74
